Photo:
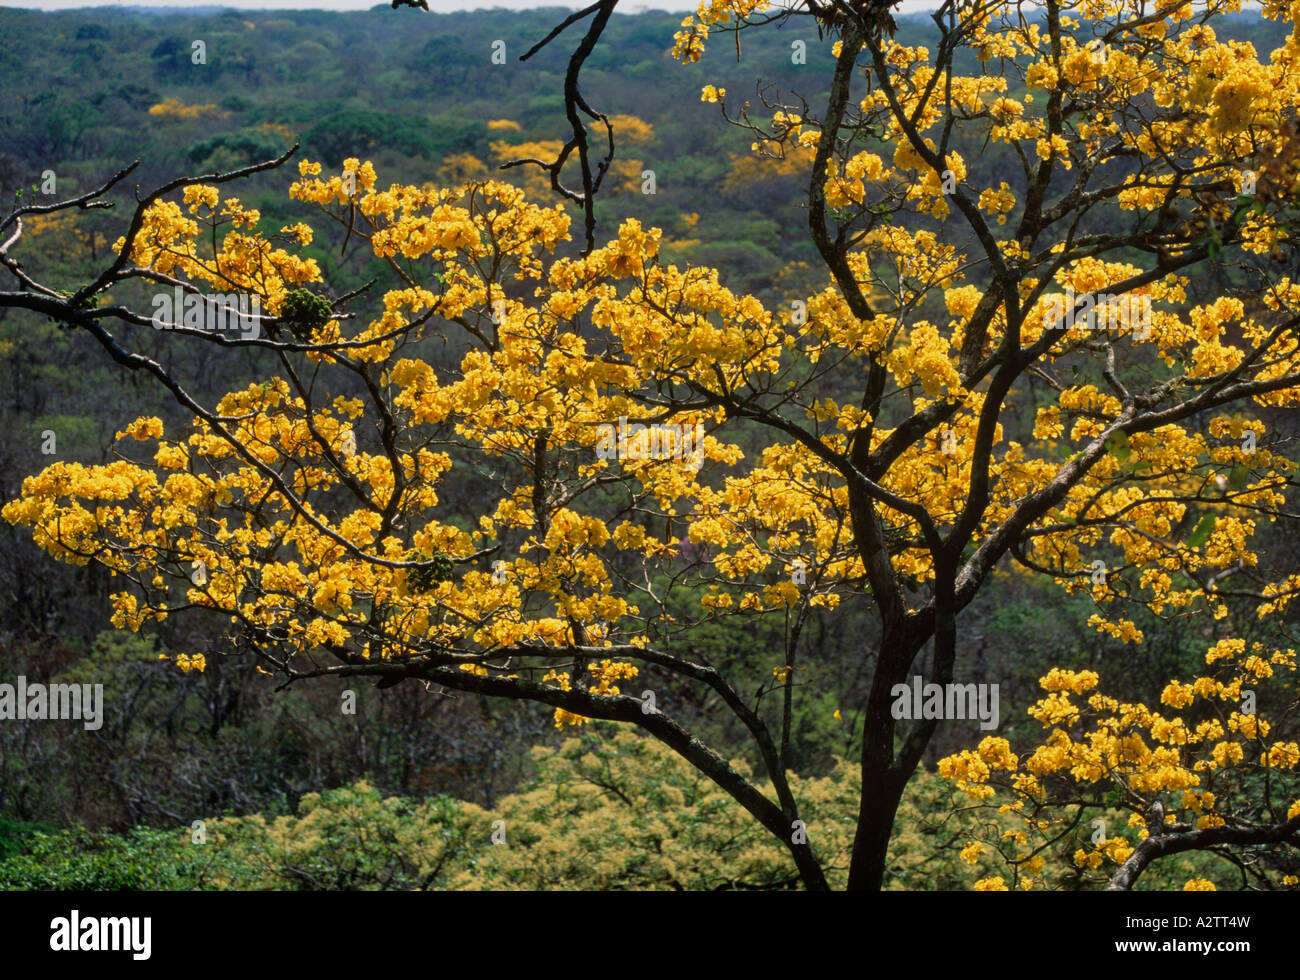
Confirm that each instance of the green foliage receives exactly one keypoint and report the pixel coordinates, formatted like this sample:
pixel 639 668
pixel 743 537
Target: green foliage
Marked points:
pixel 15 834
pixel 436 569
pixel 615 810
pixel 305 312
pixel 141 860
pixel 237 149
pixel 356 133
pixel 346 839
pixel 610 809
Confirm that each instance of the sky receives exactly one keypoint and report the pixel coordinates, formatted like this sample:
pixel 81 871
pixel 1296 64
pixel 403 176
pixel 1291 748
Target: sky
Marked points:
pixel 439 6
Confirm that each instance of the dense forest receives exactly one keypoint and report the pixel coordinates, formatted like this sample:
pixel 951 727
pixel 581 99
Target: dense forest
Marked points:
pixel 404 792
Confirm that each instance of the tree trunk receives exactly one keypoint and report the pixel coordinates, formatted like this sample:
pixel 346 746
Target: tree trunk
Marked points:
pixel 881 792
pixel 882 782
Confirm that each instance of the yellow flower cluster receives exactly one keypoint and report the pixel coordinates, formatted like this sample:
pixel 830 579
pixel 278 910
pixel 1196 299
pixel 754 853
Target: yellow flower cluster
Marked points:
pixel 174 108
pixel 1139 751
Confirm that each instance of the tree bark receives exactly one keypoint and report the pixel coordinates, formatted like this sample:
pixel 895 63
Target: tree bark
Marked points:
pixel 882 779
pixel 1162 845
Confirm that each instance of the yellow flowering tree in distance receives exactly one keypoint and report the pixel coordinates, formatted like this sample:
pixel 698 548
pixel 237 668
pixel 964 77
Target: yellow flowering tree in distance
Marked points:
pixel 598 400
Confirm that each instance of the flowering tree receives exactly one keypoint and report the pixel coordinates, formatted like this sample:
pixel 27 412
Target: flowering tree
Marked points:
pixel 599 399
